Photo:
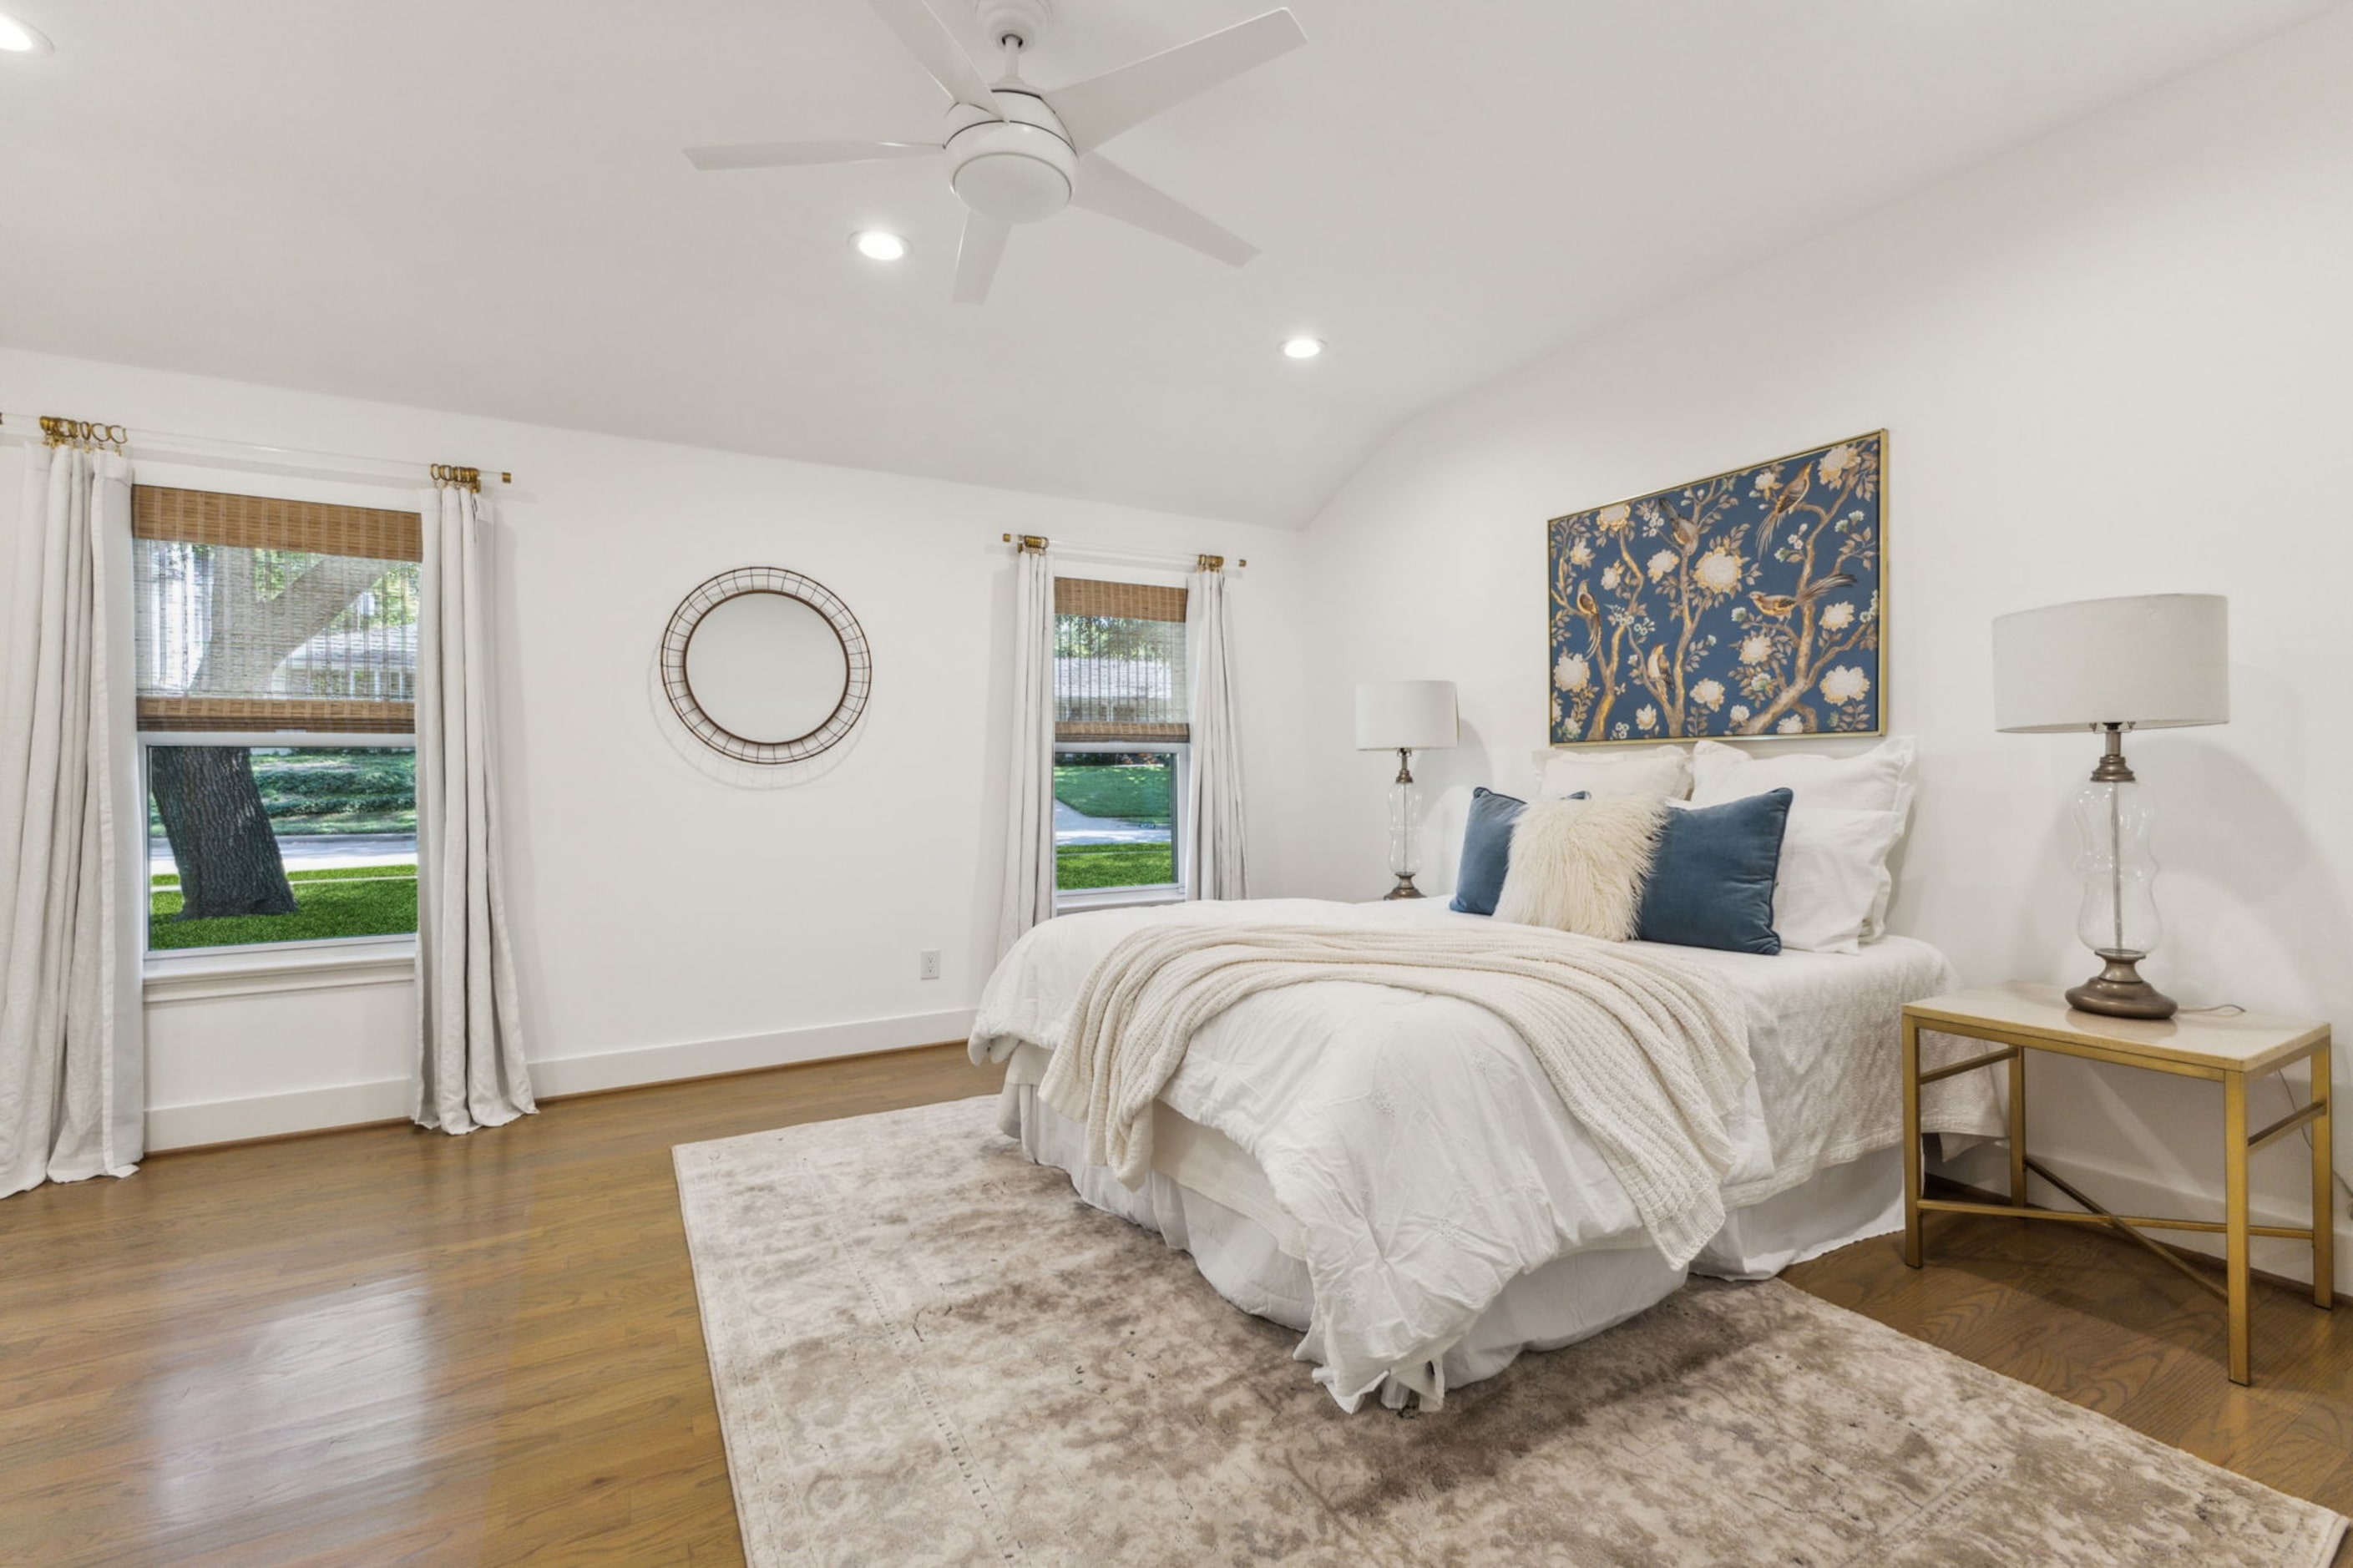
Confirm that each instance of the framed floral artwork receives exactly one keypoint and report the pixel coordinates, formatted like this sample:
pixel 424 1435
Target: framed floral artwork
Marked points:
pixel 1747 603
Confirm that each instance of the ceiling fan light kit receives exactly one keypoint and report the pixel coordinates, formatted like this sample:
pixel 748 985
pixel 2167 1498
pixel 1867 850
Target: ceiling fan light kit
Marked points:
pixel 1017 154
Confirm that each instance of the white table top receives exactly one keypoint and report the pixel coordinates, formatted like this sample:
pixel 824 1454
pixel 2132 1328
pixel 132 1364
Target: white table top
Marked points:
pixel 2243 1042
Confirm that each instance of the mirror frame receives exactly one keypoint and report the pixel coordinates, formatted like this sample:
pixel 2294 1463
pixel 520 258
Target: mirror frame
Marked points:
pixel 714 592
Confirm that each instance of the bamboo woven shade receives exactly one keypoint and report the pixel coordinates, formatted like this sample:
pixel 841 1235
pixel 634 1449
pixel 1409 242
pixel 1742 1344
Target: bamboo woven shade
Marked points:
pixel 262 714
pixel 1119 662
pixel 257 613
pixel 1118 601
pixel 268 523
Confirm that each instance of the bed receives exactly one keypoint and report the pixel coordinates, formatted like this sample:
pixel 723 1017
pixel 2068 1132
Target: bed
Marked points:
pixel 1389 1173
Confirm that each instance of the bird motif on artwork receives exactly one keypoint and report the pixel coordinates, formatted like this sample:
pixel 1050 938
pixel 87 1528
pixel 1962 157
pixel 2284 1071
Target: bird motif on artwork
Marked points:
pixel 1585 604
pixel 1780 605
pixel 1654 668
pixel 1783 504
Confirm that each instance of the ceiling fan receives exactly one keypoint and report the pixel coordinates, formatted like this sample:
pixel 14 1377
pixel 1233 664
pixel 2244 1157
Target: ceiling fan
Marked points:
pixel 1017 154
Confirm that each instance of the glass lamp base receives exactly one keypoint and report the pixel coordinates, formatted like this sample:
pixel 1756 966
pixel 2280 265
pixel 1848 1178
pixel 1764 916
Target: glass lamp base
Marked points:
pixel 1404 890
pixel 2119 992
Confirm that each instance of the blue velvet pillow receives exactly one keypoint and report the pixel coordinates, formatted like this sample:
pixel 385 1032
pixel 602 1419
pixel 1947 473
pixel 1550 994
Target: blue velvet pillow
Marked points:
pixel 1710 882
pixel 1486 852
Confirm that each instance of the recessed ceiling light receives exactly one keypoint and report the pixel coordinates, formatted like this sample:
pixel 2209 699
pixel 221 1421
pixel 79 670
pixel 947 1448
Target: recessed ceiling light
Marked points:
pixel 21 37
pixel 879 245
pixel 1303 348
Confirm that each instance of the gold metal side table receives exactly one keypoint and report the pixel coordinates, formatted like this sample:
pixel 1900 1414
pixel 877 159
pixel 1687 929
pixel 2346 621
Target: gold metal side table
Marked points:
pixel 2231 1051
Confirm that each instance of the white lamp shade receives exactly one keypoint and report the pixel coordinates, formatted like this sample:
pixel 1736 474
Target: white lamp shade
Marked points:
pixel 1412 715
pixel 2156 661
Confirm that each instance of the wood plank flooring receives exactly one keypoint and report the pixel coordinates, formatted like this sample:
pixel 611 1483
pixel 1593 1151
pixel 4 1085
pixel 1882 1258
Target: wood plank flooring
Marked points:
pixel 2089 1316
pixel 388 1346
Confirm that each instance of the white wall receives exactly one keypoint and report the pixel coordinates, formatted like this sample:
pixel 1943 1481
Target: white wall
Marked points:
pixel 2114 362
pixel 670 923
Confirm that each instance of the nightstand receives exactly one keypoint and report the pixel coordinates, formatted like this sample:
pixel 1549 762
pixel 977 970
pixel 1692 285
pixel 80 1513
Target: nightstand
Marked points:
pixel 2231 1051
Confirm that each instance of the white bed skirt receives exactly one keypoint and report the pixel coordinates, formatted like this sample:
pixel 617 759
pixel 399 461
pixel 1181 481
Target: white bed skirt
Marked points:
pixel 1237 1243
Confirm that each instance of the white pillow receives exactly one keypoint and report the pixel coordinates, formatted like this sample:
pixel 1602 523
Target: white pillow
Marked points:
pixel 1880 779
pixel 1660 770
pixel 1826 895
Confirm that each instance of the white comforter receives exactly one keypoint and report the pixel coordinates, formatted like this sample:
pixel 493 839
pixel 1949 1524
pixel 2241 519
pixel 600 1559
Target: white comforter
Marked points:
pixel 1420 1150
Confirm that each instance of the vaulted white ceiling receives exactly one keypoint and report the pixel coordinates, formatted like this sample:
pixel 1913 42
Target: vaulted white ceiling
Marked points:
pixel 480 206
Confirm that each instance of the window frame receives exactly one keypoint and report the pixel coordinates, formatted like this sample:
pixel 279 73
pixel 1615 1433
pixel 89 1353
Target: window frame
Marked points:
pixel 1139 893
pixel 298 957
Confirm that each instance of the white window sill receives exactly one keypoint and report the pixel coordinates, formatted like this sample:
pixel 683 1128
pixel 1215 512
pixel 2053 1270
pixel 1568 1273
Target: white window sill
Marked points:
pixel 201 975
pixel 1117 899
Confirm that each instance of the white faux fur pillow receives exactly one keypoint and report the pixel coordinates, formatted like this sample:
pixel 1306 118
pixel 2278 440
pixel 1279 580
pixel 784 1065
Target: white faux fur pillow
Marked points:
pixel 1580 865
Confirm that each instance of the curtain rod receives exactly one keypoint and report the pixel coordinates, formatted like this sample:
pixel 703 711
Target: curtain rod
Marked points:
pixel 1133 557
pixel 247 457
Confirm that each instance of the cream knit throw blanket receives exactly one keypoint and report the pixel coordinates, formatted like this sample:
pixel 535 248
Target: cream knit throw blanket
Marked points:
pixel 1649 1053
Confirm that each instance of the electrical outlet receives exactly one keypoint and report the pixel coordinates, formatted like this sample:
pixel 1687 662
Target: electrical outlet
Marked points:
pixel 928 963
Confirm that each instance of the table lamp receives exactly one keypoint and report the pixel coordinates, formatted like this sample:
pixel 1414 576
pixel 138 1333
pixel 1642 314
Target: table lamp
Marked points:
pixel 2157 661
pixel 1405 717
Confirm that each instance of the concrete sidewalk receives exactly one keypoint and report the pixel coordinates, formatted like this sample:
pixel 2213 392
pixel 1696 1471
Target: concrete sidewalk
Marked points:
pixel 1071 827
pixel 314 852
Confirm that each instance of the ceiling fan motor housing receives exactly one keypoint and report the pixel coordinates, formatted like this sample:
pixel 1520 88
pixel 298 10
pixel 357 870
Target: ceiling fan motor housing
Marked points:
pixel 1019 168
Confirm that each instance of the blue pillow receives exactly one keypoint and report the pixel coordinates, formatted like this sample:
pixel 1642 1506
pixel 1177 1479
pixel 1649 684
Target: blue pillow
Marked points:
pixel 1710 882
pixel 1486 852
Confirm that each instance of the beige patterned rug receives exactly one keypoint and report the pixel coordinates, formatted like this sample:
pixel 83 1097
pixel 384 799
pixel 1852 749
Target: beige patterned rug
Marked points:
pixel 927 1350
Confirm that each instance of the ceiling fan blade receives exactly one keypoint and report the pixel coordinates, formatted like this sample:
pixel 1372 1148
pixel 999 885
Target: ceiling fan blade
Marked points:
pixel 976 257
pixel 787 155
pixel 1106 188
pixel 1096 109
pixel 929 40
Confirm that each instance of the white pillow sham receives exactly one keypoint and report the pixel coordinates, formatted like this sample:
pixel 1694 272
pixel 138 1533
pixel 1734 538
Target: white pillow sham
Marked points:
pixel 1663 772
pixel 1880 779
pixel 1826 895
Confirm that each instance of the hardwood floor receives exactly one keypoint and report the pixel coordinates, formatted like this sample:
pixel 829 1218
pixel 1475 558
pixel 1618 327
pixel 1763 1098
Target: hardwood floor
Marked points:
pixel 2089 1316
pixel 390 1346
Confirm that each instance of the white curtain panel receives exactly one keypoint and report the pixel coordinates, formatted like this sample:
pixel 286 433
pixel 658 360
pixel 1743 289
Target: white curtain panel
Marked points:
pixel 469 1060
pixel 1030 800
pixel 73 866
pixel 1213 803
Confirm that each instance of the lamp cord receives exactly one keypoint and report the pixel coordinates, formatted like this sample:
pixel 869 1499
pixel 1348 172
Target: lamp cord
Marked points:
pixel 2232 1010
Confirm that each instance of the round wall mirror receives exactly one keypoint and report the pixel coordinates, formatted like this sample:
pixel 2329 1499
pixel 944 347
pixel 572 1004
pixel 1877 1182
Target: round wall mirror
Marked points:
pixel 765 666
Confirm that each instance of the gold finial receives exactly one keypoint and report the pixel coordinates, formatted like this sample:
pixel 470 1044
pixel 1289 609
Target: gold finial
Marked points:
pixel 1030 541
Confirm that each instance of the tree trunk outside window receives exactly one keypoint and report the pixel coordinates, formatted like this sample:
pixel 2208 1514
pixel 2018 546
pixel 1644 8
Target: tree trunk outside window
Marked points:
pixel 220 834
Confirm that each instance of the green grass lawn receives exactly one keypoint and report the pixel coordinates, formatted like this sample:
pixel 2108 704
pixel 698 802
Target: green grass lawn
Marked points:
pixel 335 901
pixel 1081 866
pixel 1131 792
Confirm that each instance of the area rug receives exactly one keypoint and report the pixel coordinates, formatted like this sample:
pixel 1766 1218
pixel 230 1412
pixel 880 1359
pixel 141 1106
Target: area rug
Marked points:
pixel 928 1350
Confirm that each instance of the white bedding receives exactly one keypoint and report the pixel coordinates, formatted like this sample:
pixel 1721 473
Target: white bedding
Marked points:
pixel 1418 1151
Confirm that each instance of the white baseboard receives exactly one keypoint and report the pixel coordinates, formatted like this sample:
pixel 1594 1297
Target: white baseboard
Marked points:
pixel 701 1058
pixel 269 1115
pixel 343 1105
pixel 2137 1192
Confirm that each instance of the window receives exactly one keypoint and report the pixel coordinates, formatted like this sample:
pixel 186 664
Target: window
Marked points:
pixel 1119 730
pixel 276 668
